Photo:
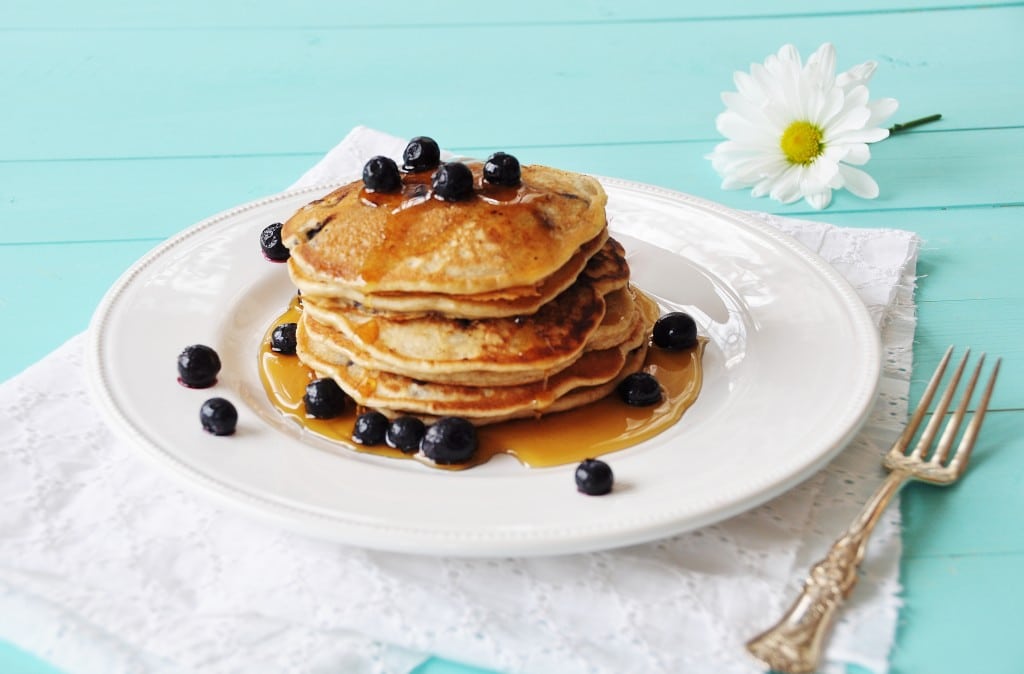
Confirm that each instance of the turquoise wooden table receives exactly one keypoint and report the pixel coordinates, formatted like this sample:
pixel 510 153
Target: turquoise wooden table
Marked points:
pixel 123 124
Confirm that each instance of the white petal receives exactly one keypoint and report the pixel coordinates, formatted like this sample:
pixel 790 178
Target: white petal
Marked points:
pixel 768 83
pixel 881 110
pixel 754 169
pixel 750 111
pixel 858 182
pixel 856 136
pixel 856 76
pixel 788 52
pixel 742 165
pixel 785 73
pixel 857 153
pixel 819 200
pixel 762 188
pixel 735 127
pixel 787 187
pixel 813 101
pixel 748 87
pixel 732 183
pixel 768 184
pixel 853 115
pixel 824 169
pixel 821 66
pixel 832 104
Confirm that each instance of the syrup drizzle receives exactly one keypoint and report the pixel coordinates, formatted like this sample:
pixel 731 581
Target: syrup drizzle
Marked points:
pixel 604 426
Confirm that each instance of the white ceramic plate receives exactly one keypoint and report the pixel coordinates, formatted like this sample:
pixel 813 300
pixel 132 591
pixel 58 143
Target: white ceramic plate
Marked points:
pixel 790 373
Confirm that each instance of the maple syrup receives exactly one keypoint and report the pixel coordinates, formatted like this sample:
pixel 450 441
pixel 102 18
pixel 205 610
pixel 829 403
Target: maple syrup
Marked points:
pixel 604 426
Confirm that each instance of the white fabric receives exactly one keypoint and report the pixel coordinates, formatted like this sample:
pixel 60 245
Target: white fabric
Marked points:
pixel 106 566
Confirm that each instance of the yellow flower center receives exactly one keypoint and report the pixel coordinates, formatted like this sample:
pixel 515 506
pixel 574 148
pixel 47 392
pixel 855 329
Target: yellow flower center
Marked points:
pixel 801 143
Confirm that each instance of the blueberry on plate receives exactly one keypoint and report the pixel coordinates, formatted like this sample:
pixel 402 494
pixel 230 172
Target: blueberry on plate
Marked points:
pixel 640 389
pixel 405 433
pixel 502 169
pixel 218 416
pixel 271 245
pixel 282 339
pixel 453 181
pixel 676 330
pixel 380 174
pixel 421 154
pixel 324 399
pixel 594 477
pixel 370 428
pixel 450 440
pixel 198 366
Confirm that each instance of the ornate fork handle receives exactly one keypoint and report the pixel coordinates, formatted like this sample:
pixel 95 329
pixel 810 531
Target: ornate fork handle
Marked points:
pixel 794 644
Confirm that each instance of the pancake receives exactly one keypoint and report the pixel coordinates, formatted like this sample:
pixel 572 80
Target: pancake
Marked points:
pixel 436 348
pixel 492 352
pixel 411 242
pixel 612 272
pixel 593 375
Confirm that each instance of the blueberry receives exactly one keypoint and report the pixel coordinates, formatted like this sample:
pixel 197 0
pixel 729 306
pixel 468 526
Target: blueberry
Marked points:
pixel 594 477
pixel 453 181
pixel 271 245
pixel 405 433
pixel 370 428
pixel 675 330
pixel 380 174
pixel 502 169
pixel 421 154
pixel 324 399
pixel 450 440
pixel 640 389
pixel 282 339
pixel 218 416
pixel 198 366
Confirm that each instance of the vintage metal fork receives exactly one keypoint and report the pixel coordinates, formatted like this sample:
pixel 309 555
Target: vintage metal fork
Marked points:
pixel 794 644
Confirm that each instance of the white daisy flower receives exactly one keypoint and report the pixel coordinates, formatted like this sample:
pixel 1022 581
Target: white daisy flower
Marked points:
pixel 798 130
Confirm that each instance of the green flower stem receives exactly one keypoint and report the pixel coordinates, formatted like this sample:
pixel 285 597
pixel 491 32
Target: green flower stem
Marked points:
pixel 897 128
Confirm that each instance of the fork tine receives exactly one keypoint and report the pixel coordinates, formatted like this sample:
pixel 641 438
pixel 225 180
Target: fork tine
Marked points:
pixel 949 433
pixel 963 452
pixel 940 410
pixel 901 444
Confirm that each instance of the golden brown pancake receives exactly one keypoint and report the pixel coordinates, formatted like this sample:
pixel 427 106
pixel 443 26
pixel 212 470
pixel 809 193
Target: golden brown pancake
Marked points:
pixel 437 348
pixel 613 272
pixel 412 242
pixel 590 377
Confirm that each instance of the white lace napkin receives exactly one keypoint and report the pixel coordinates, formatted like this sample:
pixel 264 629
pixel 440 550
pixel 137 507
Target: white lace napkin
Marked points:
pixel 106 566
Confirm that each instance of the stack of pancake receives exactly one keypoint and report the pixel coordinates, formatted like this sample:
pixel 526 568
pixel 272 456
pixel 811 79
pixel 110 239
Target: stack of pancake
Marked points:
pixel 512 303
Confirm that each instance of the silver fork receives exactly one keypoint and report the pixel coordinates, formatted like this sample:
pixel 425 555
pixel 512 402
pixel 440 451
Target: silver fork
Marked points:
pixel 794 644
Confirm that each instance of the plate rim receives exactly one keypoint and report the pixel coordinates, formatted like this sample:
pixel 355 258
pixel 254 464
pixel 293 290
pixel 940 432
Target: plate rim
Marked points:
pixel 578 538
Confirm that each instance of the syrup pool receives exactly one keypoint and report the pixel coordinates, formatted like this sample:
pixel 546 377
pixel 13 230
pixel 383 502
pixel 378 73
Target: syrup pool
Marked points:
pixel 599 428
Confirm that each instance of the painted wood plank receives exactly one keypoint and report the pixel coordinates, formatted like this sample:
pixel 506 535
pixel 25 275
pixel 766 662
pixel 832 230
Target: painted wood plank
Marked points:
pixel 960 614
pixel 440 666
pixel 920 175
pixel 49 293
pixel 122 93
pixel 987 326
pixel 957 520
pixel 131 199
pixel 15 660
pixel 28 14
